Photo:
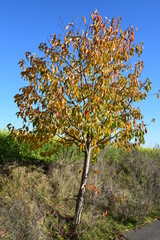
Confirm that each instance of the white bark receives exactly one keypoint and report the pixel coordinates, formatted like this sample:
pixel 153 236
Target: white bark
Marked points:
pixel 80 198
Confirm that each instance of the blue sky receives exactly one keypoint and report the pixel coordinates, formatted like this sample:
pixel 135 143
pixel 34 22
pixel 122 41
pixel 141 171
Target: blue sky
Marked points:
pixel 25 24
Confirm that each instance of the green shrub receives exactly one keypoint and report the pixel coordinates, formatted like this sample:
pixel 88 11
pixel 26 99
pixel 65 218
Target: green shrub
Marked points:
pixel 13 151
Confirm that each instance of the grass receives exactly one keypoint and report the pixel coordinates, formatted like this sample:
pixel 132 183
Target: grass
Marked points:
pixel 37 195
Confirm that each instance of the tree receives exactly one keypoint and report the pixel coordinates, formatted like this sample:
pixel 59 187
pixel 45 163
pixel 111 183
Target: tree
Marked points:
pixel 83 89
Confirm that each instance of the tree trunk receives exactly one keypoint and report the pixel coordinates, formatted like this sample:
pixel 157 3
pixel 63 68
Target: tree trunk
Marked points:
pixel 80 198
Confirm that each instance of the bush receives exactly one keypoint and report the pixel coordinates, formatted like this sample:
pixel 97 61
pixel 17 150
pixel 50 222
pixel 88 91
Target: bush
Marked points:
pixel 128 183
pixel 12 151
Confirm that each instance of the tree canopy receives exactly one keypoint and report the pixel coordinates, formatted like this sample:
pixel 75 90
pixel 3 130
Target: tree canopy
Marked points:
pixel 83 87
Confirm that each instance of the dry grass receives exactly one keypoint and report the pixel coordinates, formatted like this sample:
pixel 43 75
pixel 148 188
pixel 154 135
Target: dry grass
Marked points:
pixel 39 202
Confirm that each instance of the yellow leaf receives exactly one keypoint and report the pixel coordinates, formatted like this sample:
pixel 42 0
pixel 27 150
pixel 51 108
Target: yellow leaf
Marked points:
pixel 121 31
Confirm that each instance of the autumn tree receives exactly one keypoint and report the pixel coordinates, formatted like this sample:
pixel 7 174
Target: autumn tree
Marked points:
pixel 83 89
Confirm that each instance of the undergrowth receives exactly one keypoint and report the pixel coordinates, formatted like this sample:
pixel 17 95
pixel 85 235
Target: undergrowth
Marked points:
pixel 38 195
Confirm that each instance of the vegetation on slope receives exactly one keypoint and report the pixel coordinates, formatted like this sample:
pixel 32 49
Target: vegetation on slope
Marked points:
pixel 37 195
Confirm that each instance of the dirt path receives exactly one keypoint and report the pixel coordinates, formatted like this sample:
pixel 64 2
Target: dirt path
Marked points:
pixel 149 232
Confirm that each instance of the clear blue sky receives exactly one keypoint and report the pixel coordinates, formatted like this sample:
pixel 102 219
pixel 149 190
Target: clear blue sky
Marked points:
pixel 24 24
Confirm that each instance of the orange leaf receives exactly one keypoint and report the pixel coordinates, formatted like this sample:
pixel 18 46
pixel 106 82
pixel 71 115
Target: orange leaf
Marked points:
pixel 87 114
pixel 116 195
pixel 89 187
pixel 112 22
pixel 84 20
pixel 96 172
pixel 134 122
pixel 145 130
pixel 57 114
pixel 105 214
pixel 132 33
pixel 114 76
pixel 95 189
